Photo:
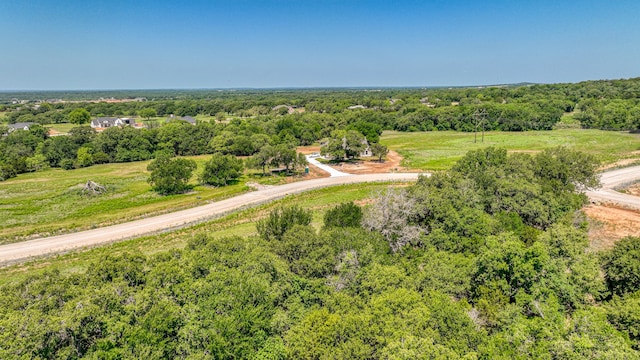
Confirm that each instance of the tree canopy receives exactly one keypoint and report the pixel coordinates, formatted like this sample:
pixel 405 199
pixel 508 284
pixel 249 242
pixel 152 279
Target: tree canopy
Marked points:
pixel 221 169
pixel 435 270
pixel 170 175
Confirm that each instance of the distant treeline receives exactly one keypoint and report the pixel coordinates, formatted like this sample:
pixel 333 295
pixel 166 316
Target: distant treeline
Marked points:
pixel 32 150
pixel 611 105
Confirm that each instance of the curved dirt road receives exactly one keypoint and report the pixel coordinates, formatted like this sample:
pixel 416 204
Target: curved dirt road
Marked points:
pixel 612 179
pixel 22 251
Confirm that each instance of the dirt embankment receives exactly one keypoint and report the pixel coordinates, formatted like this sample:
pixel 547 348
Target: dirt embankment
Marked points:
pixel 609 224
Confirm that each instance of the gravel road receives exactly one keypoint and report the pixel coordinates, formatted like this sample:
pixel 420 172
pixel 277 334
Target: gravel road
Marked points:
pixel 613 179
pixel 22 251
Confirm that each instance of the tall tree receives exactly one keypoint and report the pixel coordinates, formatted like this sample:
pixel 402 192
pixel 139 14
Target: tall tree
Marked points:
pixel 170 175
pixel 221 169
pixel 344 144
pixel 79 116
pixel 378 150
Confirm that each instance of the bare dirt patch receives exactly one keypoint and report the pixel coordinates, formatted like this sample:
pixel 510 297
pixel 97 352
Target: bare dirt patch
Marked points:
pixel 309 149
pixel 634 189
pixel 364 165
pixel 315 172
pixel 609 224
pixel 373 166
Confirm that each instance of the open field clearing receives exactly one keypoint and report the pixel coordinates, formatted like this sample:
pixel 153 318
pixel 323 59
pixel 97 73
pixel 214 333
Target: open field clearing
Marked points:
pixel 62 128
pixel 237 224
pixel 51 201
pixel 439 150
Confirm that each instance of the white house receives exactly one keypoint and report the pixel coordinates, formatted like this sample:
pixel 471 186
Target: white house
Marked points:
pixel 105 122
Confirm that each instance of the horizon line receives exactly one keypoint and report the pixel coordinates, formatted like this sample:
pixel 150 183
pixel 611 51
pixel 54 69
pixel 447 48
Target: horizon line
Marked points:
pixel 283 87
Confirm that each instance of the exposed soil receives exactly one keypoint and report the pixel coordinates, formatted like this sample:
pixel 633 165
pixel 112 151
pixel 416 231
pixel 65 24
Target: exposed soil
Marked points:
pixel 365 165
pixel 609 224
pixel 314 173
pixel 373 166
pixel 309 149
pixel 634 190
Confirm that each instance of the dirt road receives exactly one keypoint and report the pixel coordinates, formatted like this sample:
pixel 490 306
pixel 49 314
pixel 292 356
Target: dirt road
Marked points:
pixel 22 251
pixel 615 178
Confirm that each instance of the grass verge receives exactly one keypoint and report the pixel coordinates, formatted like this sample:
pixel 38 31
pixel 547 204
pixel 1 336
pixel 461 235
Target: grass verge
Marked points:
pixel 50 202
pixel 240 223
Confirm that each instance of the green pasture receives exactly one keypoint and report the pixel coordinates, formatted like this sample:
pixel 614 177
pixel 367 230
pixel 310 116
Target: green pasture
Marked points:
pixel 439 150
pixel 241 223
pixel 62 127
pixel 50 201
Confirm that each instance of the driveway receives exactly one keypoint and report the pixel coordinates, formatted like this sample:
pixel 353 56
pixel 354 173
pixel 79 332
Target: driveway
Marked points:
pixel 332 172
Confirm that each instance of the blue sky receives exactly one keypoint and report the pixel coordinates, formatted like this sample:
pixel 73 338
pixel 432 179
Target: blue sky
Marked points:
pixel 73 44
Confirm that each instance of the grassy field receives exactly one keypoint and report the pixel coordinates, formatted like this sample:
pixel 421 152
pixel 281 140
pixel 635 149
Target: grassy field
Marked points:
pixel 62 127
pixel 240 223
pixel 439 150
pixel 50 201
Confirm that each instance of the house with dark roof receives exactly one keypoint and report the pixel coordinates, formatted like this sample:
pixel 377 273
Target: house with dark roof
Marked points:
pixel 105 122
pixel 20 126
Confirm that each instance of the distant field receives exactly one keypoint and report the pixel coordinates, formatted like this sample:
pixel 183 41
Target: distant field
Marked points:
pixel 50 201
pixel 62 128
pixel 439 150
pixel 241 223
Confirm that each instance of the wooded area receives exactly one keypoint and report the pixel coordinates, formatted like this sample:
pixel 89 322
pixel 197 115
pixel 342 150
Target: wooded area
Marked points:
pixel 487 260
pixel 244 122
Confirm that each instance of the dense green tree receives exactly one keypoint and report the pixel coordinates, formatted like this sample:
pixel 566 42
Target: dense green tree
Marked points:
pixel 562 169
pixel 82 135
pixel 379 151
pixel 280 220
pixel 221 169
pixel 170 175
pixel 344 144
pixel 37 162
pixel 85 157
pixel 79 116
pixel 262 159
pixel 6 171
pixel 58 148
pixel 624 314
pixel 147 113
pixel 622 266
pixel 370 130
pixel 343 215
